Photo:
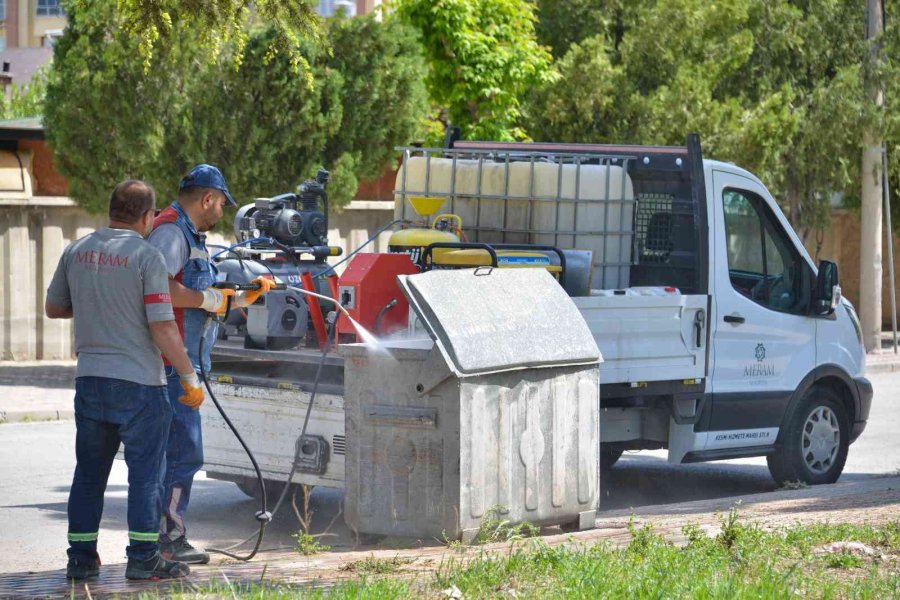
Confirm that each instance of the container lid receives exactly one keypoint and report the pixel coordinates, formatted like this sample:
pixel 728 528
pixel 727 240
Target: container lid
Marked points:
pixel 491 320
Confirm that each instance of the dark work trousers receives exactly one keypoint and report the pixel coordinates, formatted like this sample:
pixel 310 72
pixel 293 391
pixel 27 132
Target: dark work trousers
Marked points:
pixel 184 457
pixel 107 412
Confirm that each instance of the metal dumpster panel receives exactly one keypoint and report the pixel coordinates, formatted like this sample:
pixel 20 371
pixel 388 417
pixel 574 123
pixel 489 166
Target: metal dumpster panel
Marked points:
pixel 430 454
pixel 492 320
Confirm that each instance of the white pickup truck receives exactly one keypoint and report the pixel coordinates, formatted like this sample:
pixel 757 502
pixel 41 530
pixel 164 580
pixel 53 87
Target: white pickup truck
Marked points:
pixel 720 337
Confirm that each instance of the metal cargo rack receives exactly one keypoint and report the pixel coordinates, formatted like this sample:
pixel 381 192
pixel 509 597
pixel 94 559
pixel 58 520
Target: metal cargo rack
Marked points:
pixel 653 235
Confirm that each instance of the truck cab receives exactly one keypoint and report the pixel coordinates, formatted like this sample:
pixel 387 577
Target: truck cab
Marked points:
pixel 786 358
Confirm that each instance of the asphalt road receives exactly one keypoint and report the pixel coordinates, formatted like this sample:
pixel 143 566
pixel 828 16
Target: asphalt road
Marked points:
pixel 38 458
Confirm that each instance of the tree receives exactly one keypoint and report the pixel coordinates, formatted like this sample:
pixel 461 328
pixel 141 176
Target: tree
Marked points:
pixel 483 56
pixel 26 100
pixel 214 24
pixel 563 23
pixel 772 85
pixel 267 126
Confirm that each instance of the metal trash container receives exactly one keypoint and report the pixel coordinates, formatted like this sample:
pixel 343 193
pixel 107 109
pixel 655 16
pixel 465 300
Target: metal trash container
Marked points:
pixel 497 410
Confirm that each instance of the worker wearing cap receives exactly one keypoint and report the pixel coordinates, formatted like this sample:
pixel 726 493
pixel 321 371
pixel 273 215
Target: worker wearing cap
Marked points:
pixel 178 234
pixel 114 285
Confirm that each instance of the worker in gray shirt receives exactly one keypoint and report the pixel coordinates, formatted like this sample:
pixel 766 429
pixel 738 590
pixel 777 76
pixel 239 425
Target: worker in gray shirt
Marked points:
pixel 116 287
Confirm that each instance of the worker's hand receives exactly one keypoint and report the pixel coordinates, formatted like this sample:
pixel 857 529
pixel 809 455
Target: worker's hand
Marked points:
pixel 215 300
pixel 193 393
pixel 242 299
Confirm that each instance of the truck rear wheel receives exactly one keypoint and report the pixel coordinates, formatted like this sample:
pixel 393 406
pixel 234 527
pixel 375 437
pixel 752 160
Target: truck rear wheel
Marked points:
pixel 609 457
pixel 815 441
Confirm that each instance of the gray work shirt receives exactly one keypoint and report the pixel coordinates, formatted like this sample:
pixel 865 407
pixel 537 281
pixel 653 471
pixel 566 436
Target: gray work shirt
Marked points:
pixel 170 241
pixel 116 284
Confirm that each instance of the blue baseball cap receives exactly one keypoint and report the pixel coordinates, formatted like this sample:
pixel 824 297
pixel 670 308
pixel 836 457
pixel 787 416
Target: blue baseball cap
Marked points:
pixel 207 176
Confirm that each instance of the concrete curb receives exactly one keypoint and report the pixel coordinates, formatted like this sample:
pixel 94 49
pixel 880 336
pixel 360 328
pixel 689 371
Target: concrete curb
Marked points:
pixel 32 416
pixel 882 367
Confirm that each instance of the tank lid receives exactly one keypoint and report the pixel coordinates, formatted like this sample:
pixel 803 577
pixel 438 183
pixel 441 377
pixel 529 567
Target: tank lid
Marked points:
pixel 492 320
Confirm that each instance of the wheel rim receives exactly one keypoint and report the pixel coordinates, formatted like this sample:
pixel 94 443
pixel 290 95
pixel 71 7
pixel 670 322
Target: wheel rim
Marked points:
pixel 821 440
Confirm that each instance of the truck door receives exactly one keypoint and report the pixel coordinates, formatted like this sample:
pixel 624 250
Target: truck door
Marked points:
pixel 763 340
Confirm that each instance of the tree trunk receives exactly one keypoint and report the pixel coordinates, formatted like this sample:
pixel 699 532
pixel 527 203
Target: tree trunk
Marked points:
pixel 871 214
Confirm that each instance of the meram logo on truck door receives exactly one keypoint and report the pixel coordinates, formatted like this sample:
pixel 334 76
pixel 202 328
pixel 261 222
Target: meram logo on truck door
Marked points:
pixel 759 368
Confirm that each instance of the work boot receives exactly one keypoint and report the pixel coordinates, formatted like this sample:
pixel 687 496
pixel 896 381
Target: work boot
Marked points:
pixel 182 551
pixel 82 567
pixel 154 568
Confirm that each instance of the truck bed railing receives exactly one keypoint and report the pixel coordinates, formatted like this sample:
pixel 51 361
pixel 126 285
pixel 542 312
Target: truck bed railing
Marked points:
pixel 628 205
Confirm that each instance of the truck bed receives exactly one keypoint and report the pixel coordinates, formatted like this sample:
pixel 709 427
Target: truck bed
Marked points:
pixel 643 339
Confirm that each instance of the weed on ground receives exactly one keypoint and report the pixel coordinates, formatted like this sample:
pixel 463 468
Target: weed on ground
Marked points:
pixel 741 561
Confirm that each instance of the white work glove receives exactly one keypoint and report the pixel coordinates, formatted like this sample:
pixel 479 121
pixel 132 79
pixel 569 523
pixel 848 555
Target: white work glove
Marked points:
pixel 215 300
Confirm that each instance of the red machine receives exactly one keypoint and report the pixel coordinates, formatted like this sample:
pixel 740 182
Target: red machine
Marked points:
pixel 368 290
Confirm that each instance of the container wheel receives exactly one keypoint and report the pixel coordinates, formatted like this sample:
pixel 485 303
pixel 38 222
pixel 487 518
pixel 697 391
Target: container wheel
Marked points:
pixel 815 441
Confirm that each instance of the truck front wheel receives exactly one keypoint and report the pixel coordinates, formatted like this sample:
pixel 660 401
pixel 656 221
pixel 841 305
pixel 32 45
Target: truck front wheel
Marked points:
pixel 815 441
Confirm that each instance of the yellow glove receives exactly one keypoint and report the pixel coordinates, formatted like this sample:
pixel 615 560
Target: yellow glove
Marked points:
pixel 242 299
pixel 216 300
pixel 193 393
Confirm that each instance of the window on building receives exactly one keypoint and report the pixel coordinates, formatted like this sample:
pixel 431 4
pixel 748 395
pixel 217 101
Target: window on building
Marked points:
pixel 3 11
pixel 49 8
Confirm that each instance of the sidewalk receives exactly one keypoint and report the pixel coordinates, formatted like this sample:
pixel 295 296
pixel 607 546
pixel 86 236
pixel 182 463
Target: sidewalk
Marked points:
pixel 43 390
pixel 36 390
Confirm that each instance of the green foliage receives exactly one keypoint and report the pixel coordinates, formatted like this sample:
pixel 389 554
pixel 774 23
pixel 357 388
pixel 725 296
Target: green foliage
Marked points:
pixel 213 24
pixel 266 125
pixel 561 24
pixel 776 86
pixel 307 544
pixel 483 56
pixel 495 529
pixel 26 100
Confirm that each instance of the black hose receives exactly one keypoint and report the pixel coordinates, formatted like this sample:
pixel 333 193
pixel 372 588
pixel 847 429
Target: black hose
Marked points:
pixel 263 516
pixel 381 314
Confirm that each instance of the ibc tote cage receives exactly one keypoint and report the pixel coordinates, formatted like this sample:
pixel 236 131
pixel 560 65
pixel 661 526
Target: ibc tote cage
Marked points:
pixel 657 234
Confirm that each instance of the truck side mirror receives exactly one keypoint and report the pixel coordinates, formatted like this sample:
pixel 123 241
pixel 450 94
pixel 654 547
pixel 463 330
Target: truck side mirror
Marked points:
pixel 828 290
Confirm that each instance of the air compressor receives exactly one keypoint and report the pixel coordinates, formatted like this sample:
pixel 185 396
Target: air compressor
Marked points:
pixel 284 238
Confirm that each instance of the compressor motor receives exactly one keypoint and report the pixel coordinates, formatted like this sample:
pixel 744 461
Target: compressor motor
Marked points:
pixel 292 220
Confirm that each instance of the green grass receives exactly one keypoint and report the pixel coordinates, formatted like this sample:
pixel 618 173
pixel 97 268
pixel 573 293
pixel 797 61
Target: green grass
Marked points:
pixel 742 561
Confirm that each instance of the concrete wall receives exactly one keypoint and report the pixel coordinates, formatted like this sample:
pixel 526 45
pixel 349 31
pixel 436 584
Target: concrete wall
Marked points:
pixel 34 232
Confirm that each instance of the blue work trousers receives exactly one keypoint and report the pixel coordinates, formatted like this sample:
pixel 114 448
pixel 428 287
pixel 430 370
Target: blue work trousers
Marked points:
pixel 184 457
pixel 109 412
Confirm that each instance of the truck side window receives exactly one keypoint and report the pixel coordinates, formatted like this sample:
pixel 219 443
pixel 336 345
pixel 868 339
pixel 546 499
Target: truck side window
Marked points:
pixel 763 263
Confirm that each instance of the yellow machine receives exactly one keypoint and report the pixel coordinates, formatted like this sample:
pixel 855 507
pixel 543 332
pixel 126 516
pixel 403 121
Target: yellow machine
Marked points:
pixel 414 240
pixel 443 245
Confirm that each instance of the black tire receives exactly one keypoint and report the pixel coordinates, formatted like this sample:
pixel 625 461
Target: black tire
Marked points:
pixel 796 459
pixel 609 457
pixel 250 486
